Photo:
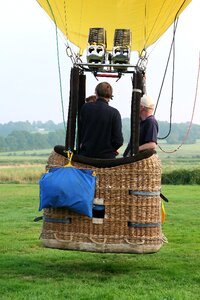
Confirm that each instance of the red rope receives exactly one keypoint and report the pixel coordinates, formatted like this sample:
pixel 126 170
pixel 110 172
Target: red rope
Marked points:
pixel 107 75
pixel 190 125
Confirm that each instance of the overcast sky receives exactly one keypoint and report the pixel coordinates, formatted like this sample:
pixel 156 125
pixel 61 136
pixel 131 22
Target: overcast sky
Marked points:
pixel 29 81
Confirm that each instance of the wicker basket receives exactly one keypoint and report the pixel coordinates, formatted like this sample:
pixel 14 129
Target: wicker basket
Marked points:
pixel 132 219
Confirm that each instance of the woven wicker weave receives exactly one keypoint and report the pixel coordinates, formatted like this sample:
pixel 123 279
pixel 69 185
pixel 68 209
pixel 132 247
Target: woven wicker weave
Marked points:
pixel 132 220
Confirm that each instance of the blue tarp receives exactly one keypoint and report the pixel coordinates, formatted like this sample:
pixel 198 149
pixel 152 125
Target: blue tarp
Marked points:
pixel 68 187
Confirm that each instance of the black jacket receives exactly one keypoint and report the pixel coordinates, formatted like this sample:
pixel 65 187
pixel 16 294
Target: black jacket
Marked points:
pixel 100 130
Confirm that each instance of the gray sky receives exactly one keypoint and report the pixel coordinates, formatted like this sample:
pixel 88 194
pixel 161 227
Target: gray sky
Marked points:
pixel 29 81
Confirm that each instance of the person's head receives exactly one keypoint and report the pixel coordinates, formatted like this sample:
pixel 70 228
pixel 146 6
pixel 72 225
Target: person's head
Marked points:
pixel 91 98
pixel 146 106
pixel 104 90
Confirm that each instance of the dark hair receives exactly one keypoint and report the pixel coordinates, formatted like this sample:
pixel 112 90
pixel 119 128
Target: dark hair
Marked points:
pixel 91 98
pixel 104 89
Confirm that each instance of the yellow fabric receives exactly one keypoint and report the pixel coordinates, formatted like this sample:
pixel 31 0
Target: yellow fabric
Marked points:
pixel 147 19
pixel 163 213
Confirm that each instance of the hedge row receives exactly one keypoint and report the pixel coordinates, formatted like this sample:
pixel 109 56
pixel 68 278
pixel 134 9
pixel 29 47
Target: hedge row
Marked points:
pixel 182 177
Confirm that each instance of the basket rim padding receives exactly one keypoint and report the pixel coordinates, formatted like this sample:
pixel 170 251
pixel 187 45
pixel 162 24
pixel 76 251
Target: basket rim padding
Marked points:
pixel 105 163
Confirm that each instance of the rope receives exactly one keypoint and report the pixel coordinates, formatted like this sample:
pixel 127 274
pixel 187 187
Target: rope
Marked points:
pixel 98 243
pixel 172 47
pixel 69 51
pixel 145 25
pixel 134 243
pixel 143 60
pixel 164 239
pixel 61 240
pixel 173 69
pixel 65 18
pixel 81 16
pixel 59 69
pixel 161 8
pixel 193 110
pixel 147 38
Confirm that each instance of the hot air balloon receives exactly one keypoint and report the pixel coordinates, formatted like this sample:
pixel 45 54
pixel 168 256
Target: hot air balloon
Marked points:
pixel 127 207
pixel 147 20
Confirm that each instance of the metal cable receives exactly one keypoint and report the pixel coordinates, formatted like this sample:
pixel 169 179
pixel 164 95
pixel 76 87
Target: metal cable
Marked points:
pixel 59 69
pixel 193 110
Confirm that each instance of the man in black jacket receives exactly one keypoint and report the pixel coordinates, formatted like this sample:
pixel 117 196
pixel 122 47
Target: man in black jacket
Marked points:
pixel 100 126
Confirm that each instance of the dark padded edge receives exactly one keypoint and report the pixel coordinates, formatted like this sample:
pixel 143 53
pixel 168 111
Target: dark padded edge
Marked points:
pixel 105 163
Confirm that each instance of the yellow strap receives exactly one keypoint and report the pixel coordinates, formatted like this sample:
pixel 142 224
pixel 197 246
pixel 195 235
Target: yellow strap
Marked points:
pixel 69 155
pixel 69 164
pixel 163 213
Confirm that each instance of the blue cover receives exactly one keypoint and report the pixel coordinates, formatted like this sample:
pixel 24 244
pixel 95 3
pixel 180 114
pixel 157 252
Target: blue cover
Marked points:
pixel 68 187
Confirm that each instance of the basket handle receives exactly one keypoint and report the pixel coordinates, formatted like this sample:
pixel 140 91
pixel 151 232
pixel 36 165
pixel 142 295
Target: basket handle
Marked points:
pixel 99 243
pixel 62 241
pixel 130 243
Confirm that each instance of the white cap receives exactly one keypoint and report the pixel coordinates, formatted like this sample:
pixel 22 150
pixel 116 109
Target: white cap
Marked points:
pixel 146 101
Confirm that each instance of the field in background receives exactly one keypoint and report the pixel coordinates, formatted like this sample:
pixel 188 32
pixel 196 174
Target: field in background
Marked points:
pixel 187 157
pixel 24 157
pixel 23 166
pixel 28 166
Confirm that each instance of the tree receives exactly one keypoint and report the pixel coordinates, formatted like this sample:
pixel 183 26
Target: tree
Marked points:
pixel 3 145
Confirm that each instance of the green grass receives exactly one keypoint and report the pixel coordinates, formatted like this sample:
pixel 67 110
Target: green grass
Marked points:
pixel 21 173
pixel 27 152
pixel 30 271
pixel 23 166
pixel 187 157
pixel 24 157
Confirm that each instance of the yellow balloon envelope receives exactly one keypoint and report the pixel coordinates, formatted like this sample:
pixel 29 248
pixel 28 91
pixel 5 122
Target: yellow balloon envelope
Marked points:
pixel 146 19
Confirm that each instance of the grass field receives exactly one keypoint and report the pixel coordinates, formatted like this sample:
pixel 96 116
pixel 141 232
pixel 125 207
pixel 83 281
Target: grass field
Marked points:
pixel 24 157
pixel 187 157
pixel 12 164
pixel 30 271
pixel 23 166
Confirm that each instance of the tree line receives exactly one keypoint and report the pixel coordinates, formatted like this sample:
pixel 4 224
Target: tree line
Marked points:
pixel 16 136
